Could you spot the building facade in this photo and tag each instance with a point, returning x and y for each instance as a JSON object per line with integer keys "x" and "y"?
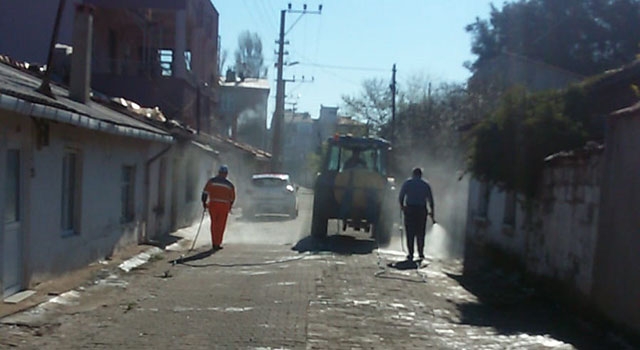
{"x": 300, "y": 142}
{"x": 242, "y": 110}
{"x": 157, "y": 53}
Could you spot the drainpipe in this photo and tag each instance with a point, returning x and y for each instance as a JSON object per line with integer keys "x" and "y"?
{"x": 147, "y": 191}
{"x": 80, "y": 82}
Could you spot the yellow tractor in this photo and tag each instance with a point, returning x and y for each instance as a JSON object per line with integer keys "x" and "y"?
{"x": 353, "y": 186}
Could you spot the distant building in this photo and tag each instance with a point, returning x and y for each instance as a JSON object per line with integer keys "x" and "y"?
{"x": 348, "y": 125}
{"x": 242, "y": 109}
{"x": 327, "y": 122}
{"x": 300, "y": 142}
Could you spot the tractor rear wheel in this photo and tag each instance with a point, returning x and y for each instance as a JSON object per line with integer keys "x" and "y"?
{"x": 319, "y": 219}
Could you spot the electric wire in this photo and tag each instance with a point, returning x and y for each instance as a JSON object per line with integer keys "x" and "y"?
{"x": 293, "y": 24}
{"x": 264, "y": 11}
{"x": 339, "y": 67}
{"x": 254, "y": 15}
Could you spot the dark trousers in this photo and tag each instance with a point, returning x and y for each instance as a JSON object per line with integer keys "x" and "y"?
{"x": 415, "y": 223}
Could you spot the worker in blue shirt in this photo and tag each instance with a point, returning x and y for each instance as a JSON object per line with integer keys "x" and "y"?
{"x": 414, "y": 195}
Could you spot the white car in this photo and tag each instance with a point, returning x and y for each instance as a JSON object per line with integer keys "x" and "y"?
{"x": 271, "y": 194}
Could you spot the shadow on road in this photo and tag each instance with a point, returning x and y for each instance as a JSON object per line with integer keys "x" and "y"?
{"x": 194, "y": 257}
{"x": 509, "y": 305}
{"x": 339, "y": 244}
{"x": 404, "y": 265}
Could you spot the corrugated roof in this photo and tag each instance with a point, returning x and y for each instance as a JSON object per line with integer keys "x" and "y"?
{"x": 256, "y": 152}
{"x": 18, "y": 94}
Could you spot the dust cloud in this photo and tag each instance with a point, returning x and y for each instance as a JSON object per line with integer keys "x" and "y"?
{"x": 271, "y": 229}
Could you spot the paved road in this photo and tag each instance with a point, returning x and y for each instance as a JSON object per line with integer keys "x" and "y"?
{"x": 271, "y": 287}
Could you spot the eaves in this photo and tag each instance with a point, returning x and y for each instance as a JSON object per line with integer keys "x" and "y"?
{"x": 17, "y": 105}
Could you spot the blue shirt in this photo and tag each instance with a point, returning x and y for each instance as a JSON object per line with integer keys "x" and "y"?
{"x": 416, "y": 192}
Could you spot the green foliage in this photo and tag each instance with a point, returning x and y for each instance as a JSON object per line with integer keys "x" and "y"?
{"x": 428, "y": 120}
{"x": 508, "y": 148}
{"x": 372, "y": 106}
{"x": 581, "y": 36}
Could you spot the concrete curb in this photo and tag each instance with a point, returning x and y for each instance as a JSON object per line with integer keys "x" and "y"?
{"x": 34, "y": 313}
{"x": 139, "y": 259}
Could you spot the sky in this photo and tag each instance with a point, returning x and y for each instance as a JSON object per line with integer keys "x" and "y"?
{"x": 354, "y": 40}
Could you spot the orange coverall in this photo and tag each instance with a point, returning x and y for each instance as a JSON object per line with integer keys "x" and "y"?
{"x": 218, "y": 196}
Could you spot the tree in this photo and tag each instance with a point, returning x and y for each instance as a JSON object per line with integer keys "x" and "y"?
{"x": 249, "y": 60}
{"x": 222, "y": 60}
{"x": 508, "y": 148}
{"x": 582, "y": 36}
{"x": 435, "y": 122}
{"x": 428, "y": 119}
{"x": 372, "y": 106}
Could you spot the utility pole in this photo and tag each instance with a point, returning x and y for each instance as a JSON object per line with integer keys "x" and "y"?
{"x": 393, "y": 104}
{"x": 278, "y": 115}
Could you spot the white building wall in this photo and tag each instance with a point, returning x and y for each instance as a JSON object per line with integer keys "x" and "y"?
{"x": 557, "y": 237}
{"x": 48, "y": 251}
{"x": 491, "y": 229}
{"x": 101, "y": 229}
{"x": 184, "y": 178}
{"x": 15, "y": 133}
{"x": 564, "y": 246}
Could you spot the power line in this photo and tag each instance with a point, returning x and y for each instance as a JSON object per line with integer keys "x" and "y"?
{"x": 331, "y": 66}
{"x": 255, "y": 17}
{"x": 264, "y": 11}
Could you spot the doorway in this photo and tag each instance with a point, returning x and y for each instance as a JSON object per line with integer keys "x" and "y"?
{"x": 12, "y": 233}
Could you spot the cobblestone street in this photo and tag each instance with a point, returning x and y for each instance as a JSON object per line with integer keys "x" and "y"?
{"x": 273, "y": 287}
{"x": 268, "y": 297}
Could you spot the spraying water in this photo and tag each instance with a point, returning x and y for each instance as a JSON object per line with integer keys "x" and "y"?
{"x": 437, "y": 242}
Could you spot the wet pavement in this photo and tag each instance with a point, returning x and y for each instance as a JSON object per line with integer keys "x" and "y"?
{"x": 272, "y": 297}
{"x": 287, "y": 291}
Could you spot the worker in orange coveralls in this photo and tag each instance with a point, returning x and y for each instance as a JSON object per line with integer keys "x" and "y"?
{"x": 218, "y": 196}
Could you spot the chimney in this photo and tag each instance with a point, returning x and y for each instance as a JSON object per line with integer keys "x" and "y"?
{"x": 231, "y": 76}
{"x": 80, "y": 82}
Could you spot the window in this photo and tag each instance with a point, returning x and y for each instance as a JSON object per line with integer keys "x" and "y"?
{"x": 127, "y": 193}
{"x": 166, "y": 59}
{"x": 70, "y": 206}
{"x": 162, "y": 180}
{"x": 270, "y": 182}
{"x": 187, "y": 60}
{"x": 12, "y": 187}
{"x": 334, "y": 158}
